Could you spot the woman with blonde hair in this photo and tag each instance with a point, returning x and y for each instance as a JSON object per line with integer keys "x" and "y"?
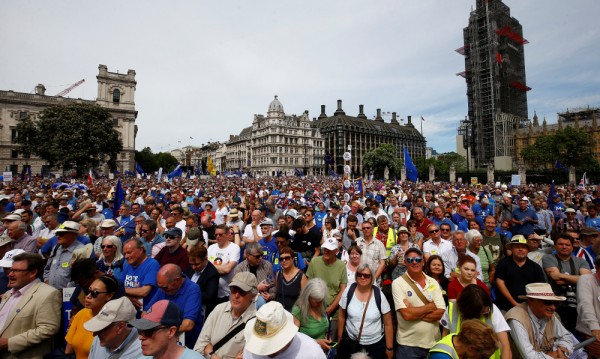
{"x": 475, "y": 340}
{"x": 111, "y": 259}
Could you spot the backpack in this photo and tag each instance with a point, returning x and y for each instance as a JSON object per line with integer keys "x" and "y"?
{"x": 376, "y": 292}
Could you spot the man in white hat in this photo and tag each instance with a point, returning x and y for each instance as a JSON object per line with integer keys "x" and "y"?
{"x": 112, "y": 336}
{"x": 272, "y": 334}
{"x": 107, "y": 228}
{"x": 57, "y": 272}
{"x": 6, "y": 262}
{"x": 535, "y": 328}
{"x": 570, "y": 223}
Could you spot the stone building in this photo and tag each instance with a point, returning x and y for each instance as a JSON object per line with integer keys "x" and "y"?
{"x": 237, "y": 154}
{"x": 116, "y": 92}
{"x": 583, "y": 119}
{"x": 340, "y": 131}
{"x": 282, "y": 144}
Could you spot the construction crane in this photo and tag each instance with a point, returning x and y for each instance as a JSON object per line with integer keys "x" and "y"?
{"x": 70, "y": 88}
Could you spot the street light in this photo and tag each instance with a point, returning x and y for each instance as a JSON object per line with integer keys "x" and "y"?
{"x": 465, "y": 130}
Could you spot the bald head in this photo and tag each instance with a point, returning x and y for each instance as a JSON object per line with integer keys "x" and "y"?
{"x": 170, "y": 271}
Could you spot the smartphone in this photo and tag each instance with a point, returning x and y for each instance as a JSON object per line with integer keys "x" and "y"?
{"x": 333, "y": 344}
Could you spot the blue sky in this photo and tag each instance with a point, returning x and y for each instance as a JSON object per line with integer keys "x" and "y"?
{"x": 204, "y": 68}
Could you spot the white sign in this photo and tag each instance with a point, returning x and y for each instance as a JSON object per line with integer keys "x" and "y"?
{"x": 515, "y": 180}
{"x": 347, "y": 169}
{"x": 347, "y": 183}
{"x": 347, "y": 156}
{"x": 346, "y": 197}
{"x": 7, "y": 176}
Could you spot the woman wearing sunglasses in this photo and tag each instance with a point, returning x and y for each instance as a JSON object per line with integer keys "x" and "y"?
{"x": 363, "y": 323}
{"x": 474, "y": 303}
{"x": 79, "y": 340}
{"x": 290, "y": 280}
{"x": 111, "y": 260}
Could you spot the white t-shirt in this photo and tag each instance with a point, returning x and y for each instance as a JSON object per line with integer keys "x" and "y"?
{"x": 220, "y": 215}
{"x": 231, "y": 253}
{"x": 373, "y": 325}
{"x": 499, "y": 324}
{"x": 250, "y": 235}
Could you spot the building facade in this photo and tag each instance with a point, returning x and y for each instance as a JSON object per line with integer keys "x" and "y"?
{"x": 358, "y": 135}
{"x": 284, "y": 144}
{"x": 582, "y": 119}
{"x": 116, "y": 92}
{"x": 496, "y": 83}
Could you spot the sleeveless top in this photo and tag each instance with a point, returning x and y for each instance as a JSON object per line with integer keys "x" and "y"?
{"x": 288, "y": 291}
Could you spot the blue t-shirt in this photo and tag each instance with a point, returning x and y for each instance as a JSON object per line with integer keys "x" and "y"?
{"x": 527, "y": 227}
{"x": 299, "y": 261}
{"x": 319, "y": 218}
{"x": 143, "y": 275}
{"x": 269, "y": 249}
{"x": 189, "y": 301}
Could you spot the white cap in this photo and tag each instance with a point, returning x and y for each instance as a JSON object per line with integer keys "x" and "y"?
{"x": 7, "y": 260}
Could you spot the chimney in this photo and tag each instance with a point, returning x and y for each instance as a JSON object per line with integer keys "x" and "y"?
{"x": 323, "y": 114}
{"x": 339, "y": 111}
{"x": 378, "y": 118}
{"x": 409, "y": 122}
{"x": 394, "y": 120}
{"x": 40, "y": 89}
{"x": 361, "y": 112}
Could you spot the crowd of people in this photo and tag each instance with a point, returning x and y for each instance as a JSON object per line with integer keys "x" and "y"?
{"x": 289, "y": 267}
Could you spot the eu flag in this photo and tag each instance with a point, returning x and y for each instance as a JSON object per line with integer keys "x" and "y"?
{"x": 359, "y": 185}
{"x": 411, "y": 170}
{"x": 177, "y": 172}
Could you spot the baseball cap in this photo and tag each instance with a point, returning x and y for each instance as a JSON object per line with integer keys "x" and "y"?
{"x": 162, "y": 312}
{"x": 117, "y": 310}
{"x": 246, "y": 281}
{"x": 175, "y": 231}
{"x": 330, "y": 243}
{"x": 267, "y": 222}
{"x": 108, "y": 223}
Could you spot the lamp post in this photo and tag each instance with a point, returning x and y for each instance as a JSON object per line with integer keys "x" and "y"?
{"x": 465, "y": 130}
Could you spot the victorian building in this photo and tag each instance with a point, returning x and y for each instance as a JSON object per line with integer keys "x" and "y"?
{"x": 358, "y": 135}
{"x": 116, "y": 93}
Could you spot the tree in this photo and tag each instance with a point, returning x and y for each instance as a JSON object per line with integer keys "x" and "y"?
{"x": 569, "y": 146}
{"x": 445, "y": 160}
{"x": 147, "y": 160}
{"x": 378, "y": 159}
{"x": 167, "y": 161}
{"x": 73, "y": 136}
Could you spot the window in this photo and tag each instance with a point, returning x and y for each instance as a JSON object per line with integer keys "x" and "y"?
{"x": 23, "y": 115}
{"x": 115, "y": 122}
{"x": 116, "y": 96}
{"x": 14, "y": 154}
{"x": 13, "y": 135}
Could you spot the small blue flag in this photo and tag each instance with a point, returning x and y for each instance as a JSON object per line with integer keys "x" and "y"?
{"x": 177, "y": 172}
{"x": 411, "y": 171}
{"x": 139, "y": 169}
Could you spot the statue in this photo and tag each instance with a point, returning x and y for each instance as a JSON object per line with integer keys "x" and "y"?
{"x": 431, "y": 173}
{"x": 572, "y": 177}
{"x": 452, "y": 173}
{"x": 523, "y": 173}
{"x": 386, "y": 173}
{"x": 403, "y": 174}
{"x": 490, "y": 173}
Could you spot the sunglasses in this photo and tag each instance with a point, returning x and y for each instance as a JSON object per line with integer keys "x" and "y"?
{"x": 445, "y": 229}
{"x": 109, "y": 246}
{"x": 148, "y": 333}
{"x": 412, "y": 260}
{"x": 257, "y": 256}
{"x": 236, "y": 290}
{"x": 434, "y": 231}
{"x": 145, "y": 231}
{"x": 92, "y": 293}
{"x": 170, "y": 236}
{"x": 285, "y": 259}
{"x": 363, "y": 275}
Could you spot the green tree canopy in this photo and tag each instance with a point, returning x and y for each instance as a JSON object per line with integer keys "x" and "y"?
{"x": 167, "y": 161}
{"x": 147, "y": 160}
{"x": 378, "y": 159}
{"x": 569, "y": 146}
{"x": 73, "y": 136}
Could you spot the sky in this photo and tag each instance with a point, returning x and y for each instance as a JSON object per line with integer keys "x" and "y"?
{"x": 204, "y": 68}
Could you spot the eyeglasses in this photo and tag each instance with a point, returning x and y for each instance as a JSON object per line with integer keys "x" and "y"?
{"x": 170, "y": 236}
{"x": 549, "y": 303}
{"x": 367, "y": 227}
{"x": 363, "y": 275}
{"x": 148, "y": 333}
{"x": 434, "y": 231}
{"x": 412, "y": 260}
{"x": 145, "y": 231}
{"x": 280, "y": 243}
{"x": 220, "y": 234}
{"x": 10, "y": 270}
{"x": 236, "y": 290}
{"x": 93, "y": 293}
{"x": 257, "y": 256}
{"x": 445, "y": 229}
{"x": 285, "y": 259}
{"x": 109, "y": 246}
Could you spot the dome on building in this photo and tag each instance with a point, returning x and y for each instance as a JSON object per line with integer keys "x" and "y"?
{"x": 275, "y": 106}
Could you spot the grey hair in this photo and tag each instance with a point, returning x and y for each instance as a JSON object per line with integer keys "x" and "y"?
{"x": 253, "y": 247}
{"x": 457, "y": 232}
{"x": 315, "y": 289}
{"x": 360, "y": 355}
{"x": 472, "y": 234}
{"x": 361, "y": 268}
{"x": 117, "y": 243}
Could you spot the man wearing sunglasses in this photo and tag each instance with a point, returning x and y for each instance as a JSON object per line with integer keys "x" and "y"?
{"x": 158, "y": 331}
{"x": 418, "y": 313}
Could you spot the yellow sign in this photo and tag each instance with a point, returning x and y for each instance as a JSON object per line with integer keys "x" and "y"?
{"x": 474, "y": 180}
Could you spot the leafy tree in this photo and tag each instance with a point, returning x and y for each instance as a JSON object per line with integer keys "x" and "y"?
{"x": 167, "y": 161}
{"x": 73, "y": 136}
{"x": 378, "y": 159}
{"x": 569, "y": 146}
{"x": 147, "y": 160}
{"x": 445, "y": 160}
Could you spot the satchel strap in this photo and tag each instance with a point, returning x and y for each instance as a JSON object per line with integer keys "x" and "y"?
{"x": 362, "y": 321}
{"x": 418, "y": 292}
{"x": 230, "y": 335}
